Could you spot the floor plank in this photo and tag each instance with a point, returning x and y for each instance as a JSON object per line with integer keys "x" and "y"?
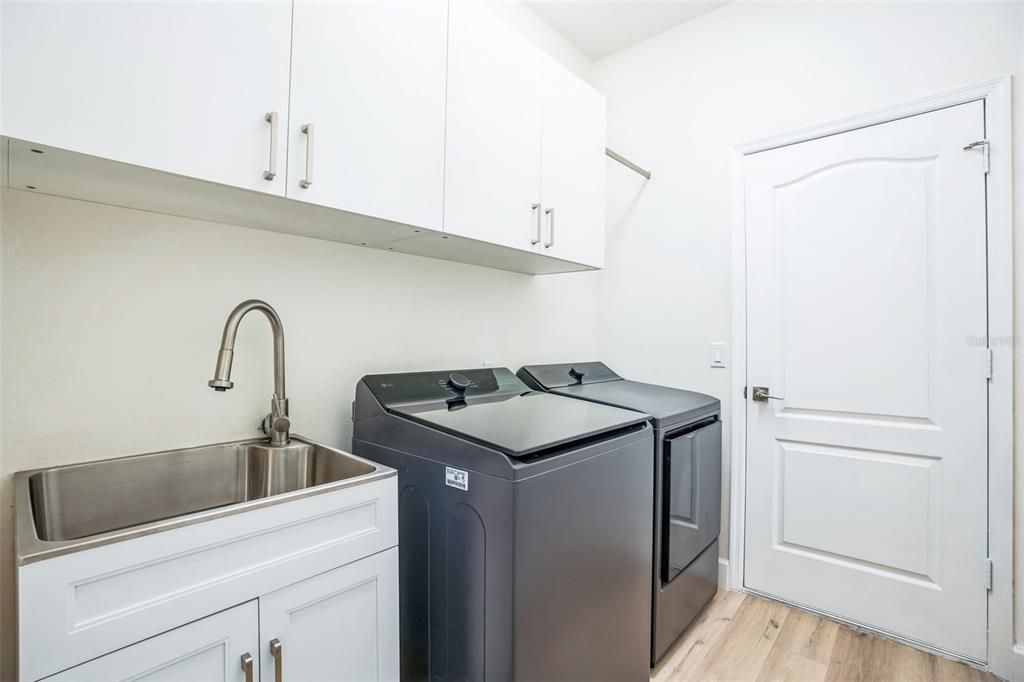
{"x": 682, "y": 661}
{"x": 746, "y": 643}
{"x": 740, "y": 637}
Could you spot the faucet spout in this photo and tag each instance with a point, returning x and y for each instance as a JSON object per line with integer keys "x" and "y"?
{"x": 277, "y": 424}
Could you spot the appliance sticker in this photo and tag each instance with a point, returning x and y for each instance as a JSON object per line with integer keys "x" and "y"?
{"x": 456, "y": 478}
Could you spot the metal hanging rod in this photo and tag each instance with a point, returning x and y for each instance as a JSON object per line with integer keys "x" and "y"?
{"x": 627, "y": 163}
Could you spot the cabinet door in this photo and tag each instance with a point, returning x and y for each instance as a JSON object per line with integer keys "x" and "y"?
{"x": 339, "y": 625}
{"x": 183, "y": 87}
{"x": 572, "y": 167}
{"x": 368, "y": 77}
{"x": 492, "y": 167}
{"x": 207, "y": 650}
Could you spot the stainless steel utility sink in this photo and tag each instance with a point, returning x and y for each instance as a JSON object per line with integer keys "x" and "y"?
{"x": 69, "y": 508}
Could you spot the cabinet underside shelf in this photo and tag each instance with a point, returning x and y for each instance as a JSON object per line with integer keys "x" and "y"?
{"x": 49, "y": 170}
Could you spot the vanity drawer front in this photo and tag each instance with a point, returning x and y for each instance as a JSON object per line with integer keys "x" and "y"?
{"x": 210, "y": 649}
{"x": 76, "y": 607}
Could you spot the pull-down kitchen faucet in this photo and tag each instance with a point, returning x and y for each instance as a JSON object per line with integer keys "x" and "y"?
{"x": 276, "y": 424}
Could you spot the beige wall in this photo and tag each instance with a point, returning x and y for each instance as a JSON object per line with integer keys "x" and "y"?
{"x": 681, "y": 101}
{"x": 112, "y": 320}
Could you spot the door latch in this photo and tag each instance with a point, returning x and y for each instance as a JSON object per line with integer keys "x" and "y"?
{"x": 762, "y": 394}
{"x": 985, "y": 150}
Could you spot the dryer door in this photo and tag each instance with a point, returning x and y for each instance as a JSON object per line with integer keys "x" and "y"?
{"x": 691, "y": 496}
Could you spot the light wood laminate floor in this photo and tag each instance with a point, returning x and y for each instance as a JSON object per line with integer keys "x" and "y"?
{"x": 743, "y": 637}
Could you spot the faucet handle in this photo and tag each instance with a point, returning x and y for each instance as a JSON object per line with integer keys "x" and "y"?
{"x": 272, "y": 423}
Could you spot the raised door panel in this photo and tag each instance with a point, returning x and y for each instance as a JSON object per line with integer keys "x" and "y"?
{"x": 340, "y": 625}
{"x": 369, "y": 79}
{"x": 572, "y": 167}
{"x": 210, "y": 649}
{"x": 492, "y": 163}
{"x": 183, "y": 87}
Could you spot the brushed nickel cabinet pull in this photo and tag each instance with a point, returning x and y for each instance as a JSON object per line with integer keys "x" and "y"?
{"x": 271, "y": 173}
{"x": 277, "y": 651}
{"x": 305, "y": 182}
{"x": 247, "y": 667}
{"x": 536, "y": 209}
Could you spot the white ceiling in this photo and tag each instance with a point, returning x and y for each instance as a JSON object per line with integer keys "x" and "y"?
{"x": 600, "y": 28}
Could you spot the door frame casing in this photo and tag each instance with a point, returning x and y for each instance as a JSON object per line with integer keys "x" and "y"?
{"x": 996, "y": 95}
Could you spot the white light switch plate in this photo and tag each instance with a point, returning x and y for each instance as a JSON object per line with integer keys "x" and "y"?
{"x": 719, "y": 354}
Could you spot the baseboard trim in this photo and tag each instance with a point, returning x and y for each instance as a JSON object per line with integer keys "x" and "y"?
{"x": 1018, "y": 662}
{"x": 723, "y": 580}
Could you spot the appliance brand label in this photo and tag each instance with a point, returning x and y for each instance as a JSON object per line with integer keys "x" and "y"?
{"x": 456, "y": 478}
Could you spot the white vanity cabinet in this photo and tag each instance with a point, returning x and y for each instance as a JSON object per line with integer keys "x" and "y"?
{"x": 318, "y": 573}
{"x": 212, "y": 649}
{"x": 339, "y": 625}
{"x": 183, "y": 87}
{"x": 366, "y": 121}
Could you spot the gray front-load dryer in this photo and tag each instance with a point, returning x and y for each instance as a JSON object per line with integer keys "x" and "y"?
{"x": 524, "y": 526}
{"x": 687, "y": 456}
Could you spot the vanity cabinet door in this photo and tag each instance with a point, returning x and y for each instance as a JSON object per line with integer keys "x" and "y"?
{"x": 339, "y": 625}
{"x": 211, "y": 649}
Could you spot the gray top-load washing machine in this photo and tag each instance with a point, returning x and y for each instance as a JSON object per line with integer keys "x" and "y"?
{"x": 524, "y": 526}
{"x": 687, "y": 456}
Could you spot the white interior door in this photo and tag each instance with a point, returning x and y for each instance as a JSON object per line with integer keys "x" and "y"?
{"x": 866, "y": 479}
{"x": 492, "y": 159}
{"x": 369, "y": 76}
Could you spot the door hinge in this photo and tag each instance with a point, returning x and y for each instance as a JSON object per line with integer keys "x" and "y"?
{"x": 986, "y": 156}
{"x": 744, "y": 392}
{"x": 988, "y": 574}
{"x": 988, "y": 363}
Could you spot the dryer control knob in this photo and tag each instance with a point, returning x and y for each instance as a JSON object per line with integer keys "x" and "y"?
{"x": 459, "y": 382}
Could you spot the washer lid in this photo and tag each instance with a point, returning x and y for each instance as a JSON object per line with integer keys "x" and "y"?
{"x": 667, "y": 406}
{"x": 497, "y": 410}
{"x": 521, "y": 426}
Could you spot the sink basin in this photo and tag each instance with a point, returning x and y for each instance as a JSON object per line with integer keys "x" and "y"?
{"x": 78, "y": 506}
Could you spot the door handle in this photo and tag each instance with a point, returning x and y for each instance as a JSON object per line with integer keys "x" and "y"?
{"x": 305, "y": 182}
{"x": 277, "y": 651}
{"x": 551, "y": 228}
{"x": 247, "y": 667}
{"x": 271, "y": 172}
{"x": 536, "y": 209}
{"x": 761, "y": 394}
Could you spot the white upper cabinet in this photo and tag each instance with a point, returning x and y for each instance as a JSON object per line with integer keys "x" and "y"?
{"x": 492, "y": 167}
{"x": 183, "y": 87}
{"x": 366, "y": 128}
{"x": 408, "y": 115}
{"x": 572, "y": 167}
{"x": 525, "y": 144}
